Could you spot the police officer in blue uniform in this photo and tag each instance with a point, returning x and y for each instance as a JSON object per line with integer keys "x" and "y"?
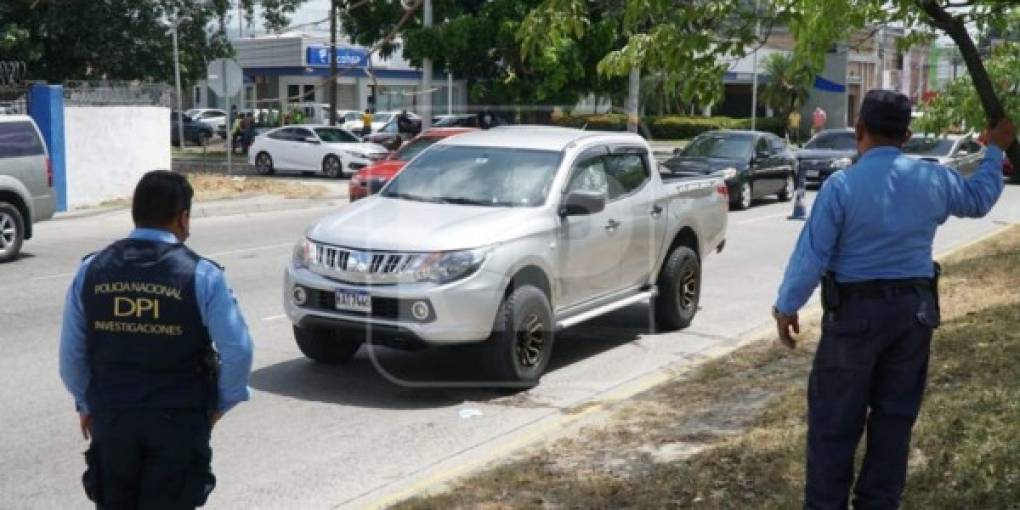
{"x": 869, "y": 240}
{"x": 154, "y": 350}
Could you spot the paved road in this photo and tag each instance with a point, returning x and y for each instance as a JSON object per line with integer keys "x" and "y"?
{"x": 316, "y": 437}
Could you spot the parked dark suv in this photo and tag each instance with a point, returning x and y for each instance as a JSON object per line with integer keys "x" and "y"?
{"x": 26, "y": 183}
{"x": 195, "y": 132}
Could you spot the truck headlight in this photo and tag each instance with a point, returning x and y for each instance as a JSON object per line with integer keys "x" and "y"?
{"x": 445, "y": 267}
{"x": 304, "y": 251}
{"x": 841, "y": 163}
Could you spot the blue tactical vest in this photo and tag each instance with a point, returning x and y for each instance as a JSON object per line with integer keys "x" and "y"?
{"x": 147, "y": 346}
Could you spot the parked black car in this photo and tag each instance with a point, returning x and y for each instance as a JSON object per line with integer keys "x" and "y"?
{"x": 825, "y": 153}
{"x": 194, "y": 132}
{"x": 755, "y": 164}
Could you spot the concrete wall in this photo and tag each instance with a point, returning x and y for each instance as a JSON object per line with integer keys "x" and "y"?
{"x": 110, "y": 147}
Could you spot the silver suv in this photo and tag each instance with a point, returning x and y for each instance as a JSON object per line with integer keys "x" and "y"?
{"x": 504, "y": 237}
{"x": 26, "y": 183}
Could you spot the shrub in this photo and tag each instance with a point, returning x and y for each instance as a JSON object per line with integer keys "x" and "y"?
{"x": 667, "y": 127}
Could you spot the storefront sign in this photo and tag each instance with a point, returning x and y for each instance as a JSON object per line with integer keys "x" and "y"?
{"x": 345, "y": 57}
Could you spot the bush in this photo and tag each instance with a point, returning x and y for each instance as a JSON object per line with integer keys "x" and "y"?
{"x": 667, "y": 127}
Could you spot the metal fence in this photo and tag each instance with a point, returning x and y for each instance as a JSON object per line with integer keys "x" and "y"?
{"x": 13, "y": 88}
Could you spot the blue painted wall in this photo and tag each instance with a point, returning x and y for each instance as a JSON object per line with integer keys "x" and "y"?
{"x": 46, "y": 107}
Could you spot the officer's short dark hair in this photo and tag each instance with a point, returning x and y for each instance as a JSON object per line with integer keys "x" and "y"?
{"x": 886, "y": 113}
{"x": 160, "y": 197}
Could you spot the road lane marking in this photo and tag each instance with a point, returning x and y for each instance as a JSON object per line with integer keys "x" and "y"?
{"x": 761, "y": 218}
{"x": 245, "y": 250}
{"x": 274, "y": 317}
{"x": 52, "y": 276}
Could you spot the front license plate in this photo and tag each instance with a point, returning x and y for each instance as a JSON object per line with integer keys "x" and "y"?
{"x": 812, "y": 173}
{"x": 353, "y": 300}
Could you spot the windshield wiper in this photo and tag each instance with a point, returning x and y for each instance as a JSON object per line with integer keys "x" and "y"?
{"x": 414, "y": 198}
{"x": 471, "y": 201}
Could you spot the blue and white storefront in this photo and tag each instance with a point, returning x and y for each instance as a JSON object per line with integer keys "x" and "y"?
{"x": 289, "y": 69}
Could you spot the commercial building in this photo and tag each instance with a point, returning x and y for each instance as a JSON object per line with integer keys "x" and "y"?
{"x": 284, "y": 70}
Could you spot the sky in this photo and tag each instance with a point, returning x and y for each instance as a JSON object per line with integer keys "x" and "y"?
{"x": 310, "y": 11}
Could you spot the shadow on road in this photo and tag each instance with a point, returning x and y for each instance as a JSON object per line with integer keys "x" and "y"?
{"x": 437, "y": 377}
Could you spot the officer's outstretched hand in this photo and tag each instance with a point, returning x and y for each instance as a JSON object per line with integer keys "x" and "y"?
{"x": 85, "y": 422}
{"x": 784, "y": 323}
{"x": 1002, "y": 134}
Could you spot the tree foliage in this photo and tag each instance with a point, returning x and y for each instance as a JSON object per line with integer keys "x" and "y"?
{"x": 111, "y": 39}
{"x": 789, "y": 83}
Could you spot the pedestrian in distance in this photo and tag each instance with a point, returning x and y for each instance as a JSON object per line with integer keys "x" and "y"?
{"x": 405, "y": 126}
{"x": 366, "y": 122}
{"x": 249, "y": 130}
{"x": 869, "y": 241}
{"x": 818, "y": 120}
{"x": 793, "y": 127}
{"x": 154, "y": 350}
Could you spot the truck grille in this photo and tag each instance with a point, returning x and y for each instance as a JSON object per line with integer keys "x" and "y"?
{"x": 365, "y": 266}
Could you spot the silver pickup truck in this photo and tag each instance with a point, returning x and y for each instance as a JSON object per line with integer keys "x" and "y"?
{"x": 504, "y": 237}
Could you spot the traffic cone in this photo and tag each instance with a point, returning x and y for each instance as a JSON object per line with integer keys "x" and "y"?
{"x": 799, "y": 211}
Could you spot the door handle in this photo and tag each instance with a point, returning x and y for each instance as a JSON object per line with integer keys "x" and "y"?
{"x": 656, "y": 211}
{"x": 612, "y": 225}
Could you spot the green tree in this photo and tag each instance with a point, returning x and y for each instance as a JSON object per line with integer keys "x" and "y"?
{"x": 816, "y": 29}
{"x": 788, "y": 85}
{"x": 110, "y": 40}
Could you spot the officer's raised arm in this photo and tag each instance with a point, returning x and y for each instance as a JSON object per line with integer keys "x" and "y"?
{"x": 974, "y": 196}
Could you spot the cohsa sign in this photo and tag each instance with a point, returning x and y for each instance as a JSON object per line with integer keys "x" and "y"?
{"x": 345, "y": 57}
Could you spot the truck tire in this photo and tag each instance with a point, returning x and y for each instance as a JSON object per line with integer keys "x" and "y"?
{"x": 326, "y": 346}
{"x": 12, "y": 232}
{"x": 521, "y": 344}
{"x": 679, "y": 287}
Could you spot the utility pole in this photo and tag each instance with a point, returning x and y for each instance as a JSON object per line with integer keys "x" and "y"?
{"x": 754, "y": 68}
{"x": 881, "y": 58}
{"x": 449, "y": 91}
{"x": 240, "y": 19}
{"x": 426, "y": 73}
{"x": 177, "y": 82}
{"x": 332, "y": 62}
{"x": 633, "y": 99}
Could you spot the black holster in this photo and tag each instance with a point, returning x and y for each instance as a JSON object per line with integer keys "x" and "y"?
{"x": 91, "y": 479}
{"x": 210, "y": 369}
{"x": 830, "y": 295}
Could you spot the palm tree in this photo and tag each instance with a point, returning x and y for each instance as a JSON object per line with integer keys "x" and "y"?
{"x": 788, "y": 83}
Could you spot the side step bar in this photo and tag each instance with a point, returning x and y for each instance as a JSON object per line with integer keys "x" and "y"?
{"x": 604, "y": 309}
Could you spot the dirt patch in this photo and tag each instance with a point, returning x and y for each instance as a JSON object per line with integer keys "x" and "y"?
{"x": 217, "y": 187}
{"x": 731, "y": 434}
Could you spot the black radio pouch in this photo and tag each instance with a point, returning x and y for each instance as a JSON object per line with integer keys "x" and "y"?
{"x": 91, "y": 480}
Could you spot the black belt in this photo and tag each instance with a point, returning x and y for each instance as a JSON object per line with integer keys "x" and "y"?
{"x": 874, "y": 289}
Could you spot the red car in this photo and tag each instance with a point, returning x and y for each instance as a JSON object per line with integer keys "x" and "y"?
{"x": 371, "y": 179}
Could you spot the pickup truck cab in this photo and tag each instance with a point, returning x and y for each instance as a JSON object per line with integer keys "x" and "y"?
{"x": 505, "y": 237}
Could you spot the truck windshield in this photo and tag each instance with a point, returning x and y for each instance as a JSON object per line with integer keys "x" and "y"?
{"x": 413, "y": 148}
{"x": 719, "y": 145}
{"x": 484, "y": 176}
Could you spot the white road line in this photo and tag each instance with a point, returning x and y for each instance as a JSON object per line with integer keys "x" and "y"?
{"x": 274, "y": 317}
{"x": 761, "y": 218}
{"x": 245, "y": 250}
{"x": 52, "y": 276}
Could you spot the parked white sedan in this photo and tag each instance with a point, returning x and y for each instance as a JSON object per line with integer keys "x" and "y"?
{"x": 312, "y": 148}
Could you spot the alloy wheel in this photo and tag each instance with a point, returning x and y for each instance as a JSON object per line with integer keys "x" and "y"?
{"x": 263, "y": 164}
{"x": 8, "y": 232}
{"x": 531, "y": 341}
{"x": 745, "y": 195}
{"x": 688, "y": 290}
{"x": 333, "y": 167}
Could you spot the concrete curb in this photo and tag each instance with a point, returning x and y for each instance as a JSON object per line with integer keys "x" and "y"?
{"x": 229, "y": 207}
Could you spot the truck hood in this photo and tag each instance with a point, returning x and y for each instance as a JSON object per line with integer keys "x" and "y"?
{"x": 385, "y": 169}
{"x": 702, "y": 165}
{"x": 389, "y": 224}
{"x": 824, "y": 154}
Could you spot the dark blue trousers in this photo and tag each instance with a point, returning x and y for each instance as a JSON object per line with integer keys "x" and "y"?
{"x": 868, "y": 375}
{"x": 151, "y": 459}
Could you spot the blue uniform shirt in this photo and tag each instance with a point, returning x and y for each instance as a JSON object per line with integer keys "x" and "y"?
{"x": 877, "y": 220}
{"x": 220, "y": 315}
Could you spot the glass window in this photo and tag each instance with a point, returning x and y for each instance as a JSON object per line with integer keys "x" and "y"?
{"x": 720, "y": 145}
{"x": 928, "y": 146}
{"x": 293, "y": 91}
{"x": 282, "y": 134}
{"x": 626, "y": 173}
{"x": 213, "y": 114}
{"x": 777, "y": 144}
{"x": 302, "y": 133}
{"x": 413, "y": 148}
{"x": 590, "y": 175}
{"x": 762, "y": 147}
{"x": 18, "y": 139}
{"x": 481, "y": 176}
{"x": 843, "y": 141}
{"x": 333, "y": 135}
{"x": 309, "y": 94}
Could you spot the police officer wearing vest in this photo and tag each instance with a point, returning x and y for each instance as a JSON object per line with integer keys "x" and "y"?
{"x": 154, "y": 350}
{"x": 869, "y": 241}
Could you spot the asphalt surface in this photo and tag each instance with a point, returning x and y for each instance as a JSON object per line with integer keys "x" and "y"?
{"x": 326, "y": 437}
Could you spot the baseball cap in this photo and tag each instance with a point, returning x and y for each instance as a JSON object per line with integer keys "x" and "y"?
{"x": 886, "y": 113}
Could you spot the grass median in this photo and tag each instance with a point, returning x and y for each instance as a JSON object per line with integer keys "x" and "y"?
{"x": 731, "y": 433}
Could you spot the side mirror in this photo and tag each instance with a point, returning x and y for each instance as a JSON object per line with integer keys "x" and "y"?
{"x": 583, "y": 203}
{"x": 311, "y": 139}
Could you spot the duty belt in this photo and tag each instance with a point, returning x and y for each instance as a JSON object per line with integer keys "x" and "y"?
{"x": 875, "y": 289}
